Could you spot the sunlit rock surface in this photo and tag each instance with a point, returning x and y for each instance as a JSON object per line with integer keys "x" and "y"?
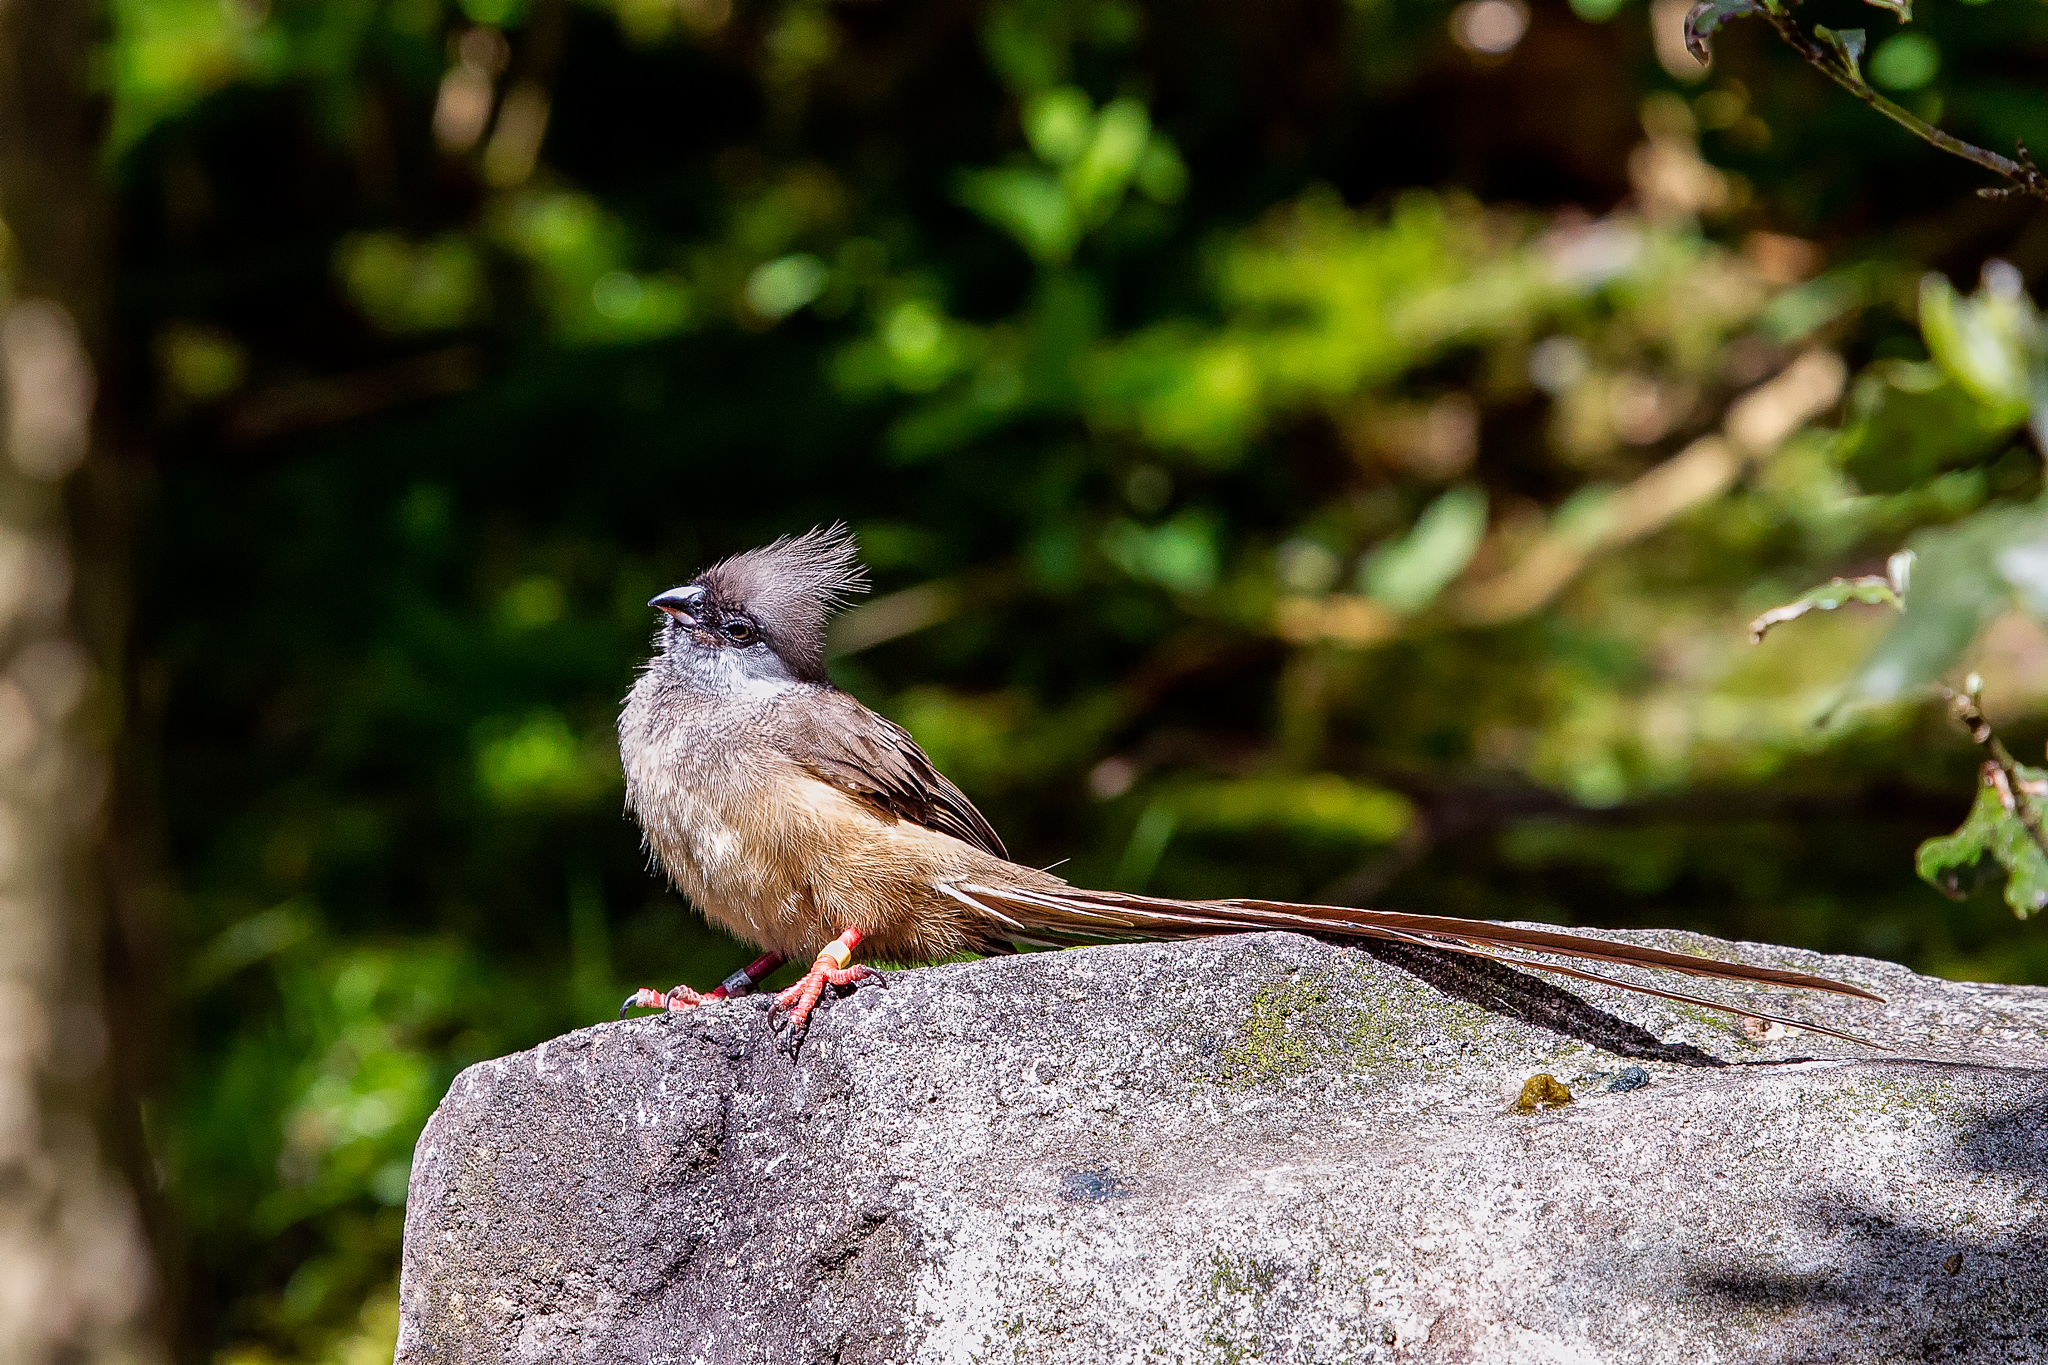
{"x": 1252, "y": 1149}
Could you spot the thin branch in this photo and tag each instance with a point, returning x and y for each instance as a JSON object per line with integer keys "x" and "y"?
{"x": 2027, "y": 178}
{"x": 2016, "y": 792}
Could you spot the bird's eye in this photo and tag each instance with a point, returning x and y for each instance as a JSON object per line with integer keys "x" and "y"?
{"x": 739, "y": 632}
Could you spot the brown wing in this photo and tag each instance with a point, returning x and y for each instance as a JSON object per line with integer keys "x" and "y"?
{"x": 851, "y": 747}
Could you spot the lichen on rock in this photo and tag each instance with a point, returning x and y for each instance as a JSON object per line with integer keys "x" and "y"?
{"x": 1261, "y": 1148}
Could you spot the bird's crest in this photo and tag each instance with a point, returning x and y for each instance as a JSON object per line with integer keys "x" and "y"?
{"x": 791, "y": 588}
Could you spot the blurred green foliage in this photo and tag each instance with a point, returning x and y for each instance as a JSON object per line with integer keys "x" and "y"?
{"x": 1307, "y": 450}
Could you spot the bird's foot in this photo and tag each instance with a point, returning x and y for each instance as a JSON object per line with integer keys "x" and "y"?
{"x": 675, "y": 1001}
{"x": 803, "y": 997}
{"x": 834, "y": 967}
{"x": 683, "y": 998}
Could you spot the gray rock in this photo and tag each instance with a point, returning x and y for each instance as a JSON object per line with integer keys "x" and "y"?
{"x": 1252, "y": 1149}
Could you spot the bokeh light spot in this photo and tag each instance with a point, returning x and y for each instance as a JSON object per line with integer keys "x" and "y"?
{"x": 1490, "y": 27}
{"x": 1905, "y": 61}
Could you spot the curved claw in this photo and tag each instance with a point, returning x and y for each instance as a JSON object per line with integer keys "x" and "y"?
{"x": 675, "y": 1001}
{"x": 803, "y": 997}
{"x": 834, "y": 967}
{"x": 789, "y": 1040}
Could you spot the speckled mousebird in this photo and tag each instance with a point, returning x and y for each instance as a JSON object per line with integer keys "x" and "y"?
{"x": 797, "y": 819}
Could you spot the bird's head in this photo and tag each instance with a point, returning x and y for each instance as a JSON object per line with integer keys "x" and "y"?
{"x": 759, "y": 618}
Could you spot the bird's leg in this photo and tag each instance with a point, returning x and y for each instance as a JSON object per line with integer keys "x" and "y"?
{"x": 683, "y": 998}
{"x": 831, "y": 969}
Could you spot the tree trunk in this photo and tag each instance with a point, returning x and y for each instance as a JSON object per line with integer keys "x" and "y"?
{"x": 76, "y": 1281}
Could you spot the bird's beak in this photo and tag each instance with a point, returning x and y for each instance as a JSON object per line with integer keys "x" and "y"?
{"x": 680, "y": 603}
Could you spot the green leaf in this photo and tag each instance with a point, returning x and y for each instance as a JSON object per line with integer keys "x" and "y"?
{"x": 1993, "y": 838}
{"x": 1848, "y": 44}
{"x": 1098, "y": 177}
{"x": 1180, "y": 555}
{"x": 1910, "y": 421}
{"x": 1990, "y": 341}
{"x": 1060, "y": 124}
{"x": 1032, "y": 206}
{"x": 2022, "y": 565}
{"x": 1964, "y": 574}
{"x": 1836, "y": 592}
{"x": 1902, "y": 8}
{"x": 404, "y": 286}
{"x": 1161, "y": 175}
{"x": 1706, "y": 17}
{"x": 780, "y": 287}
{"x": 1407, "y": 574}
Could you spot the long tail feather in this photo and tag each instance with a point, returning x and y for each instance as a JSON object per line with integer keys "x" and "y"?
{"x": 1640, "y": 989}
{"x": 1070, "y": 915}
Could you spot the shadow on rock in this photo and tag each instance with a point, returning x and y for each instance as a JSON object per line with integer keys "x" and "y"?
{"x": 1495, "y": 986}
{"x": 2014, "y": 1142}
{"x": 1951, "y": 1296}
